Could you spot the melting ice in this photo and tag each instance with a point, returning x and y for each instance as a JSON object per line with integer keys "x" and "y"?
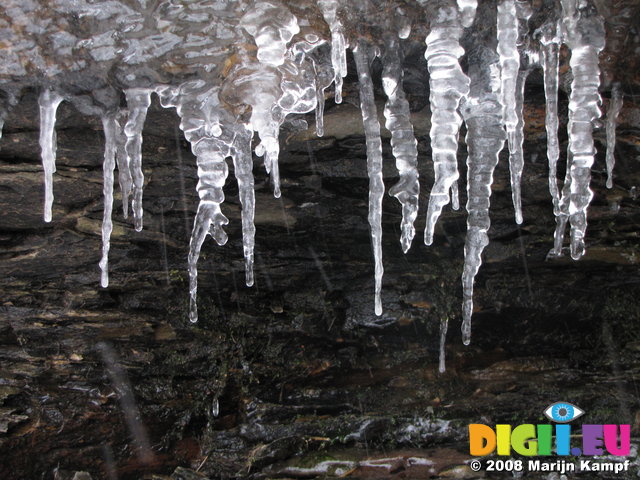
{"x": 245, "y": 65}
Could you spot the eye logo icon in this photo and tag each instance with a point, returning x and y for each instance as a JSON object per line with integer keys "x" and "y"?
{"x": 563, "y": 412}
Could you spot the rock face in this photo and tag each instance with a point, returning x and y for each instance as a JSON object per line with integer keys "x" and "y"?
{"x": 297, "y": 377}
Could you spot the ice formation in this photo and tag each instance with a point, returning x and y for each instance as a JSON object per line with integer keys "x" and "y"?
{"x": 236, "y": 69}
{"x": 550, "y": 40}
{"x": 374, "y": 163}
{"x": 48, "y": 101}
{"x": 447, "y": 86}
{"x": 403, "y": 141}
{"x": 110, "y": 127}
{"x": 483, "y": 116}
{"x": 615, "y": 105}
{"x": 138, "y": 101}
{"x": 584, "y": 34}
{"x": 338, "y": 43}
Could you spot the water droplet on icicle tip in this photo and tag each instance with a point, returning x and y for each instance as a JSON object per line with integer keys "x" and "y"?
{"x": 48, "y": 101}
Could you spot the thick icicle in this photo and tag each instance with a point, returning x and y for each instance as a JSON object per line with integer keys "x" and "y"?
{"x": 212, "y": 174}
{"x": 258, "y": 85}
{"x": 374, "y": 163}
{"x": 509, "y": 65}
{"x": 550, "y": 41}
{"x": 448, "y": 85}
{"x": 138, "y": 101}
{"x": 615, "y": 105}
{"x": 403, "y": 141}
{"x": 584, "y": 34}
{"x": 205, "y": 129}
{"x": 110, "y": 127}
{"x": 48, "y": 102}
{"x": 329, "y": 10}
{"x": 485, "y": 139}
{"x": 243, "y": 167}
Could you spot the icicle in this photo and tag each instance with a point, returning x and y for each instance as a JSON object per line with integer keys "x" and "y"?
{"x": 272, "y": 26}
{"x": 212, "y": 174}
{"x": 320, "y": 112}
{"x": 329, "y": 10}
{"x": 444, "y": 326}
{"x": 258, "y": 85}
{"x": 585, "y": 36}
{"x": 510, "y": 64}
{"x": 403, "y": 141}
{"x": 138, "y": 101}
{"x": 448, "y": 84}
{"x": 48, "y": 101}
{"x": 110, "y": 127}
{"x": 374, "y": 163}
{"x": 243, "y": 166}
{"x": 615, "y": 105}
{"x": 515, "y": 139}
{"x": 550, "y": 41}
{"x": 485, "y": 139}
{"x": 467, "y": 11}
{"x": 323, "y": 77}
{"x": 124, "y": 169}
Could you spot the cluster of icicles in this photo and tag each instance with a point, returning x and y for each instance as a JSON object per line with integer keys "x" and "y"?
{"x": 285, "y": 78}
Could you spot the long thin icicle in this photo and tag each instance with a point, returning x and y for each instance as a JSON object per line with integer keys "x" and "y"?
{"x": 509, "y": 65}
{"x": 515, "y": 139}
{"x": 485, "y": 139}
{"x": 138, "y": 101}
{"x": 48, "y": 102}
{"x": 243, "y": 167}
{"x": 448, "y": 85}
{"x": 585, "y": 36}
{"x": 329, "y": 10}
{"x": 110, "y": 127}
{"x": 374, "y": 163}
{"x": 615, "y": 105}
{"x": 550, "y": 40}
{"x": 403, "y": 141}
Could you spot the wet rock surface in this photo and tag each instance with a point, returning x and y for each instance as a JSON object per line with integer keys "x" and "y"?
{"x": 296, "y": 377}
